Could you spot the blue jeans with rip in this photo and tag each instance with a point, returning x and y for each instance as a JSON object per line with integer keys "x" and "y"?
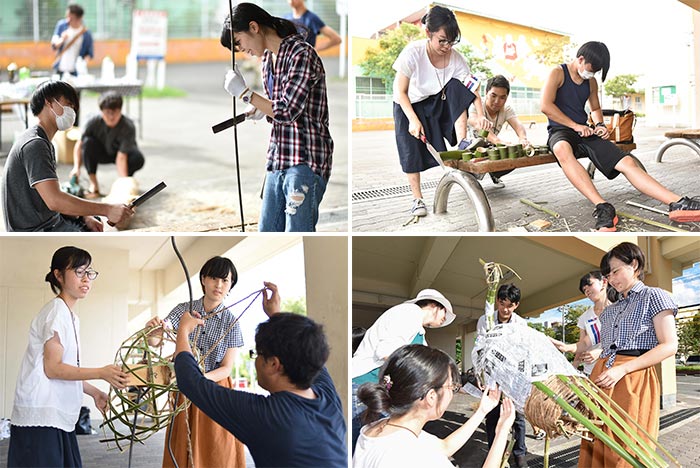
{"x": 290, "y": 200}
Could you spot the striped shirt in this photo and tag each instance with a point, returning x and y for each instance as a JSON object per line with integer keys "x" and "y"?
{"x": 296, "y": 85}
{"x": 213, "y": 329}
{"x": 628, "y": 324}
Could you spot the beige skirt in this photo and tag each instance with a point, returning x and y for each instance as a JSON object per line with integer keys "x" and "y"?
{"x": 212, "y": 445}
{"x": 637, "y": 393}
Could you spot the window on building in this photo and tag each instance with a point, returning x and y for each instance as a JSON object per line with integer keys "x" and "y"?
{"x": 370, "y": 85}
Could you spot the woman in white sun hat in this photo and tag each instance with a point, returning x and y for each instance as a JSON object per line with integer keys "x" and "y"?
{"x": 401, "y": 325}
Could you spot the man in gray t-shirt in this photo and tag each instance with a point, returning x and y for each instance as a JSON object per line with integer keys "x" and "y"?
{"x": 108, "y": 138}
{"x": 31, "y": 197}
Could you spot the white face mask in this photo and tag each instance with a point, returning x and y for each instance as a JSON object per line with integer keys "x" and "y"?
{"x": 66, "y": 120}
{"x": 585, "y": 74}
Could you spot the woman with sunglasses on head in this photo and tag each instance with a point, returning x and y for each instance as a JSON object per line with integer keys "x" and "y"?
{"x": 433, "y": 88}
{"x": 596, "y": 288}
{"x": 212, "y": 445}
{"x": 637, "y": 332}
{"x": 416, "y": 386}
{"x": 51, "y": 381}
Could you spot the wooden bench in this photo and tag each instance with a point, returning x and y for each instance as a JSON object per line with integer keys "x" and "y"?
{"x": 466, "y": 174}
{"x": 687, "y": 137}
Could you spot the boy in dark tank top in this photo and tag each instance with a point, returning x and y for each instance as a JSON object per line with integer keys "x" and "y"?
{"x": 564, "y": 96}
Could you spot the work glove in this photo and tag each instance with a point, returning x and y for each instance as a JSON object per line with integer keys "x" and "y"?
{"x": 253, "y": 113}
{"x": 235, "y": 85}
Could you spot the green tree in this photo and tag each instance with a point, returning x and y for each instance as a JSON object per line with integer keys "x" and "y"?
{"x": 478, "y": 63}
{"x": 540, "y": 328}
{"x": 621, "y": 85}
{"x": 296, "y": 305}
{"x": 689, "y": 336}
{"x": 378, "y": 62}
{"x": 552, "y": 50}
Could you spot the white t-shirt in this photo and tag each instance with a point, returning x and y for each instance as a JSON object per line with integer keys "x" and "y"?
{"x": 515, "y": 319}
{"x": 40, "y": 401}
{"x": 70, "y": 56}
{"x": 589, "y": 323}
{"x": 425, "y": 79}
{"x": 400, "y": 448}
{"x": 396, "y": 327}
{"x": 497, "y": 120}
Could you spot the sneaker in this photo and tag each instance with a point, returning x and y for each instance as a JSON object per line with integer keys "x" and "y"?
{"x": 419, "y": 208}
{"x": 605, "y": 217}
{"x": 685, "y": 210}
{"x": 540, "y": 435}
{"x": 463, "y": 144}
{"x": 496, "y": 180}
{"x": 520, "y": 461}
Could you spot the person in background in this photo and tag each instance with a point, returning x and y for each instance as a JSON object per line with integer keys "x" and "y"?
{"x": 415, "y": 386}
{"x": 31, "y": 197}
{"x": 108, "y": 138}
{"x": 498, "y": 112}
{"x": 507, "y": 301}
{"x": 587, "y": 350}
{"x": 51, "y": 381}
{"x": 637, "y": 333}
{"x": 313, "y": 24}
{"x": 71, "y": 40}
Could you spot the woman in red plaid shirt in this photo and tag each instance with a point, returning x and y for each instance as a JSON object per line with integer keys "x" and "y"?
{"x": 299, "y": 156}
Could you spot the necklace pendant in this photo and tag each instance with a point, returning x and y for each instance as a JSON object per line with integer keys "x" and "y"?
{"x": 443, "y": 97}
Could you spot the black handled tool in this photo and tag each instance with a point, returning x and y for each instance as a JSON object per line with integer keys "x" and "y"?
{"x": 143, "y": 197}
{"x": 228, "y": 123}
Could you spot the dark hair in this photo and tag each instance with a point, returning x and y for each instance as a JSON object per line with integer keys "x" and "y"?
{"x": 52, "y": 91}
{"x": 412, "y": 371}
{"x": 298, "y": 342}
{"x": 426, "y": 302}
{"x": 63, "y": 259}
{"x": 218, "y": 267}
{"x": 597, "y": 54}
{"x": 75, "y": 9}
{"x": 509, "y": 291}
{"x": 110, "y": 100}
{"x": 626, "y": 252}
{"x": 358, "y": 333}
{"x": 499, "y": 81}
{"x": 244, "y": 13}
{"x": 441, "y": 17}
{"x": 613, "y": 295}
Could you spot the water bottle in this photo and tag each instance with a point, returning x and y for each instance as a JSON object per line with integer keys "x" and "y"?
{"x": 107, "y": 69}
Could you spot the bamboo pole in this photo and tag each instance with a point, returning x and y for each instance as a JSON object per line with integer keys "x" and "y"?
{"x": 539, "y": 207}
{"x": 650, "y": 222}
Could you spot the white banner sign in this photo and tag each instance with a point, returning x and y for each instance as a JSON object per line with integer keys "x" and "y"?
{"x": 149, "y": 34}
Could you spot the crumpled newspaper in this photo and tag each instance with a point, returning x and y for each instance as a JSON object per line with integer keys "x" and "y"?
{"x": 513, "y": 356}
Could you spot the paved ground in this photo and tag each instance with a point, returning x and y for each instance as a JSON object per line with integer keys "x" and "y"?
{"x": 679, "y": 427}
{"x": 375, "y": 167}
{"x": 199, "y": 167}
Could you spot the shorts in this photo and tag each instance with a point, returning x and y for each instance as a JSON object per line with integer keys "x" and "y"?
{"x": 603, "y": 153}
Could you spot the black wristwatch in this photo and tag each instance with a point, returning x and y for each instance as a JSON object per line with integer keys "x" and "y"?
{"x": 601, "y": 124}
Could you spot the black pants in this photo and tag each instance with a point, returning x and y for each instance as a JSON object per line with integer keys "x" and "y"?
{"x": 42, "y": 446}
{"x": 94, "y": 153}
{"x": 518, "y": 430}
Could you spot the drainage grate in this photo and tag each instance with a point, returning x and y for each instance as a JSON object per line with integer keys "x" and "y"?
{"x": 569, "y": 457}
{"x": 390, "y": 192}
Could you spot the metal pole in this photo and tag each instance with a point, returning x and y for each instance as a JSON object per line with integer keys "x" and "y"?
{"x": 35, "y": 22}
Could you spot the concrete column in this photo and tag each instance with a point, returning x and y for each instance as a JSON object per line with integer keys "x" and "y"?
{"x": 326, "y": 267}
{"x": 658, "y": 273}
{"x": 695, "y": 88}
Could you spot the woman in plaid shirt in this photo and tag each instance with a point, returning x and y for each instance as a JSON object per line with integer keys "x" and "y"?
{"x": 299, "y": 155}
{"x": 637, "y": 332}
{"x": 212, "y": 445}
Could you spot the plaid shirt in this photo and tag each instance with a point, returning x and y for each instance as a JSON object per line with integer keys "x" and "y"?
{"x": 213, "y": 328}
{"x": 297, "y": 88}
{"x": 628, "y": 324}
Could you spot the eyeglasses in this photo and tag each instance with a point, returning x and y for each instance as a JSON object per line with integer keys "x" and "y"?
{"x": 253, "y": 354}
{"x": 446, "y": 42}
{"x": 81, "y": 272}
{"x": 453, "y": 386}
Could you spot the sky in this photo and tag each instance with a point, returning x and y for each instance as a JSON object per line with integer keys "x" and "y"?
{"x": 639, "y": 35}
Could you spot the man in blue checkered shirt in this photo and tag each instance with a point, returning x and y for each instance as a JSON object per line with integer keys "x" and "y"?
{"x": 217, "y": 277}
{"x": 299, "y": 156}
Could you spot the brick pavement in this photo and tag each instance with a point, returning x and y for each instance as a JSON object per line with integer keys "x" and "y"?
{"x": 375, "y": 166}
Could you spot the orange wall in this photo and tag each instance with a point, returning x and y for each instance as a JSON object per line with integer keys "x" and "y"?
{"x": 40, "y": 56}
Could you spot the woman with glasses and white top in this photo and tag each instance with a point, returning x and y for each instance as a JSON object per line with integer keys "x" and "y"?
{"x": 51, "y": 382}
{"x": 416, "y": 386}
{"x": 433, "y": 89}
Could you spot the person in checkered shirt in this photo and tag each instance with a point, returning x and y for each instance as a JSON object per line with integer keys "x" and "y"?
{"x": 212, "y": 445}
{"x": 637, "y": 332}
{"x": 300, "y": 153}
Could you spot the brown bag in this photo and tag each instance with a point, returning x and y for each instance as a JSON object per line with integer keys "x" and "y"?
{"x": 620, "y": 125}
